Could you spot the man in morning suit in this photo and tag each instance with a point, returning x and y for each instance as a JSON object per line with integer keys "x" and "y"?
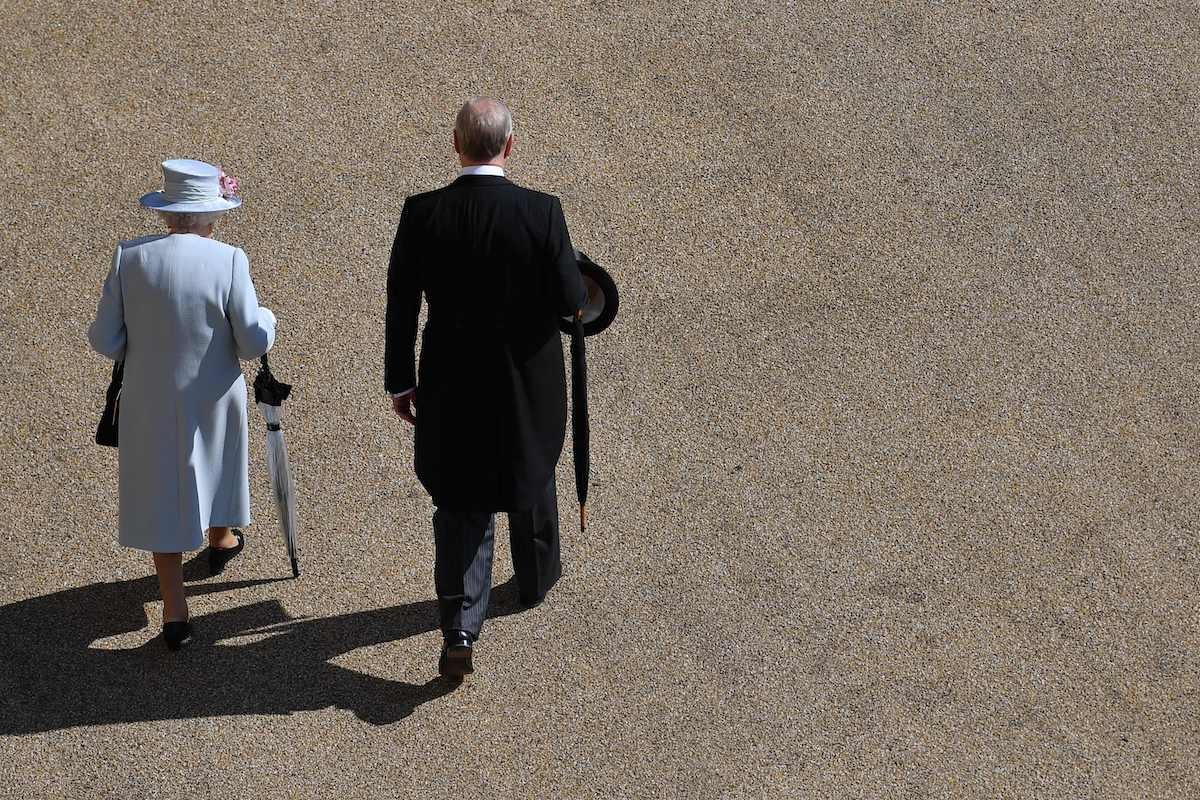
{"x": 497, "y": 269}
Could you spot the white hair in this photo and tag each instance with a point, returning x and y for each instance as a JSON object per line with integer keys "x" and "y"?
{"x": 483, "y": 125}
{"x": 190, "y": 222}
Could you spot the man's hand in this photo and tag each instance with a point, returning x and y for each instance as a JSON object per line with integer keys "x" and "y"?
{"x": 405, "y": 406}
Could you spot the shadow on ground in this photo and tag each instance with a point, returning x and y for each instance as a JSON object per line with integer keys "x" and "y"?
{"x": 253, "y": 659}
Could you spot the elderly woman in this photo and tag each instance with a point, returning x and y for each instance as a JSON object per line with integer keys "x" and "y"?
{"x": 180, "y": 310}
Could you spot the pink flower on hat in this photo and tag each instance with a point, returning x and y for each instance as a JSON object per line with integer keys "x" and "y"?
{"x": 229, "y": 184}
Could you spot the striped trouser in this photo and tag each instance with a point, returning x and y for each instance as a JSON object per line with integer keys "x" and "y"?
{"x": 463, "y": 544}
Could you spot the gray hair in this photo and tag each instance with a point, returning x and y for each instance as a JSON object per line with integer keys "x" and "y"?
{"x": 483, "y": 125}
{"x": 190, "y": 222}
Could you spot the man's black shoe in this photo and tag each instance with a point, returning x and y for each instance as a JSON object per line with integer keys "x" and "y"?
{"x": 455, "y": 662}
{"x": 531, "y": 602}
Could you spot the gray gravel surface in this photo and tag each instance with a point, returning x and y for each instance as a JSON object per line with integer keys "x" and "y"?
{"x": 894, "y": 441}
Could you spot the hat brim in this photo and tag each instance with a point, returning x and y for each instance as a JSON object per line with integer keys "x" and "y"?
{"x": 159, "y": 202}
{"x": 603, "y": 298}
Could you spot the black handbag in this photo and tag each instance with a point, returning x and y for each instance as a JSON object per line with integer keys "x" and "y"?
{"x": 106, "y": 431}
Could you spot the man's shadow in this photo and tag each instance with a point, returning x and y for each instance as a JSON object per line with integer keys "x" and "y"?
{"x": 53, "y": 676}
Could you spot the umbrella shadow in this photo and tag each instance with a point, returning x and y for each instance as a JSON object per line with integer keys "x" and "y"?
{"x": 252, "y": 659}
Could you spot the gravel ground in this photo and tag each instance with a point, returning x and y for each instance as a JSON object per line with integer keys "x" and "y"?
{"x": 894, "y": 442}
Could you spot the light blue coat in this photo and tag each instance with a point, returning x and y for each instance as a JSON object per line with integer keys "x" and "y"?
{"x": 180, "y": 309}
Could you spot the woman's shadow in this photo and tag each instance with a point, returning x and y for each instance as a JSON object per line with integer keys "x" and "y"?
{"x": 54, "y": 676}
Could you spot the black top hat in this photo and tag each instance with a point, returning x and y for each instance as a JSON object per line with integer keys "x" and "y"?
{"x": 600, "y": 309}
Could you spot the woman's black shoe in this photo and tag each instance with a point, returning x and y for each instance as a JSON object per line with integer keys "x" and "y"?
{"x": 218, "y": 557}
{"x": 177, "y": 634}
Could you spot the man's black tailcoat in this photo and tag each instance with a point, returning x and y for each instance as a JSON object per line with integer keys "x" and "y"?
{"x": 496, "y": 265}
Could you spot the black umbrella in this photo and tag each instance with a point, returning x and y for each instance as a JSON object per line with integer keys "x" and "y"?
{"x": 579, "y": 418}
{"x": 270, "y": 394}
{"x": 598, "y": 312}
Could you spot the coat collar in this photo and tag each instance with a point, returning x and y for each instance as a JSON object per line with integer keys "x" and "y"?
{"x": 480, "y": 180}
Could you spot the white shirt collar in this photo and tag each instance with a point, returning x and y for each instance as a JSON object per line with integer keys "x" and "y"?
{"x": 482, "y": 169}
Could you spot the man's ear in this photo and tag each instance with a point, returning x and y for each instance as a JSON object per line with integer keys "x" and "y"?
{"x": 508, "y": 145}
{"x": 456, "y": 147}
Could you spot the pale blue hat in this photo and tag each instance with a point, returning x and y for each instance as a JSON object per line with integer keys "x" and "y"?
{"x": 189, "y": 187}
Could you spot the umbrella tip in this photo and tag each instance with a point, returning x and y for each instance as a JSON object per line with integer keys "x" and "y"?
{"x": 582, "y": 517}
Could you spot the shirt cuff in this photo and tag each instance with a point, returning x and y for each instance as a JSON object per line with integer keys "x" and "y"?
{"x": 401, "y": 394}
